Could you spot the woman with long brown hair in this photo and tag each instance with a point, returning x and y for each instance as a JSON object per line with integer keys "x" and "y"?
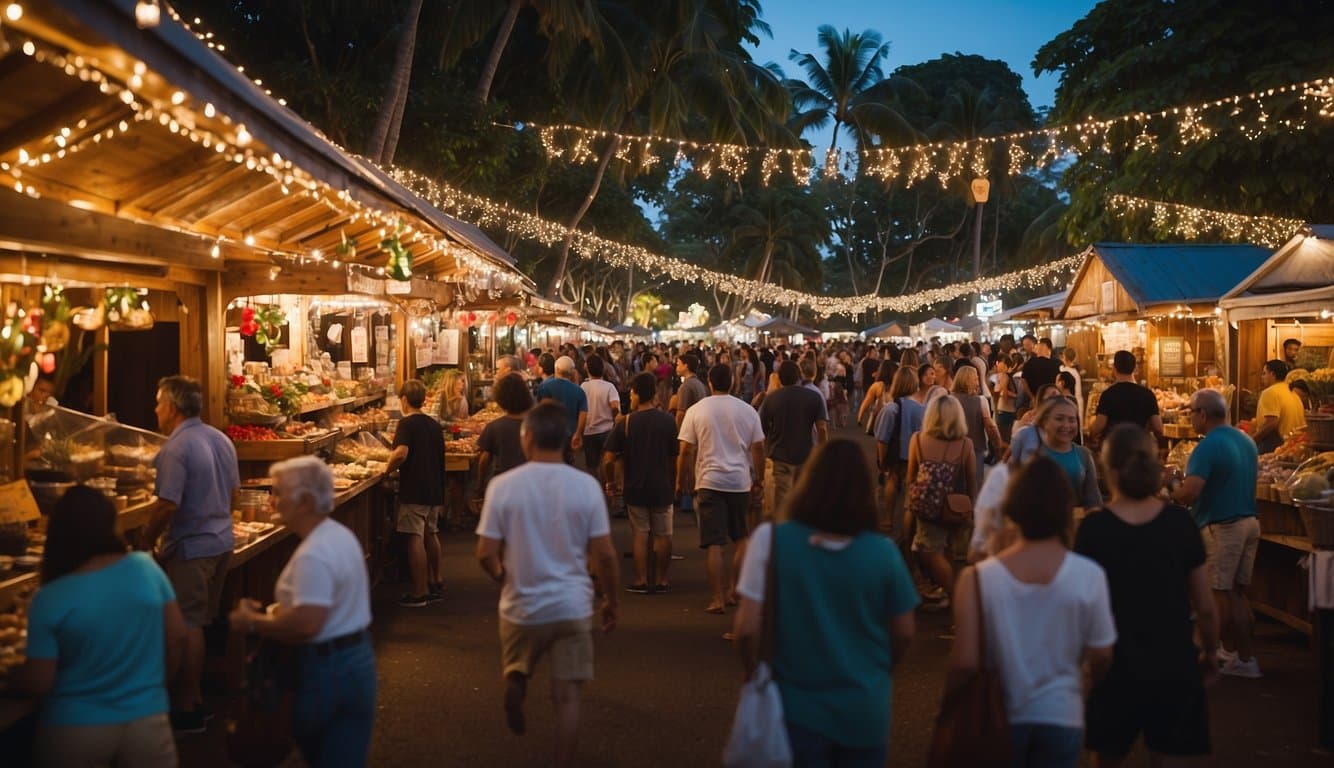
{"x": 843, "y": 614}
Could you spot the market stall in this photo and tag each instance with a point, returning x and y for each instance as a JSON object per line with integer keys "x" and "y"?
{"x": 1159, "y": 302}
{"x": 935, "y": 328}
{"x": 893, "y": 332}
{"x": 162, "y": 214}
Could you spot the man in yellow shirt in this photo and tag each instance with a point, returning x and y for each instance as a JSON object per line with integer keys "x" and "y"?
{"x": 1279, "y": 411}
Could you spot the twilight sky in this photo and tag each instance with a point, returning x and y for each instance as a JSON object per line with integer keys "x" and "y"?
{"x": 921, "y": 30}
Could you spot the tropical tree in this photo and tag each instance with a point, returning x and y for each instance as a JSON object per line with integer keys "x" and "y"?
{"x": 778, "y": 231}
{"x": 384, "y": 136}
{"x": 1130, "y": 56}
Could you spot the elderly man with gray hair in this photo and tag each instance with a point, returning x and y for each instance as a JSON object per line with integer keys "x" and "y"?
{"x": 1220, "y": 489}
{"x": 197, "y": 478}
{"x": 322, "y": 607}
{"x": 571, "y": 396}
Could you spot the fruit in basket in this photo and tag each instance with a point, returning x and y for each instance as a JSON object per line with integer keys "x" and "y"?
{"x": 1308, "y": 485}
{"x": 240, "y": 432}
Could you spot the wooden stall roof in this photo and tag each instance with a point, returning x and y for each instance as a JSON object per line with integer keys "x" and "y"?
{"x": 1297, "y": 280}
{"x": 155, "y": 127}
{"x": 1145, "y": 277}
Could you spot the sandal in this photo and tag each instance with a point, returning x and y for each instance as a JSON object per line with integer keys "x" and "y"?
{"x": 716, "y": 610}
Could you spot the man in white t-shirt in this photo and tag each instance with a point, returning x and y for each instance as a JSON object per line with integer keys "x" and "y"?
{"x": 722, "y": 462}
{"x": 540, "y": 523}
{"x": 604, "y": 403}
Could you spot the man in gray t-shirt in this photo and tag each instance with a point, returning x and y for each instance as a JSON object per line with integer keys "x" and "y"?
{"x": 692, "y": 389}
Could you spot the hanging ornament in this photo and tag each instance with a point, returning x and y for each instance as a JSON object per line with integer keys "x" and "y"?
{"x": 399, "y": 265}
{"x": 511, "y": 318}
{"x": 89, "y": 318}
{"x": 47, "y": 362}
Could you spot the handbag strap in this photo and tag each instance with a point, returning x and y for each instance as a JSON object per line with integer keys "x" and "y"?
{"x": 981, "y": 621}
{"x": 769, "y": 618}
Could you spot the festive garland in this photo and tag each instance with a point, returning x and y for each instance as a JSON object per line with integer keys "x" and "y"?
{"x": 1191, "y": 222}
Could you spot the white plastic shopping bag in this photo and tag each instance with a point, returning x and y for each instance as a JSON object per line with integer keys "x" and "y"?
{"x": 759, "y": 733}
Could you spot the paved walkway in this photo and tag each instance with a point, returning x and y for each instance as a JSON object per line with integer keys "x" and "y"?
{"x": 667, "y": 683}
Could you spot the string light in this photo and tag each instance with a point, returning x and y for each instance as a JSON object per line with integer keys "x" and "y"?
{"x": 1191, "y": 222}
{"x": 13, "y": 11}
{"x": 945, "y": 160}
{"x": 147, "y": 14}
{"x": 484, "y": 212}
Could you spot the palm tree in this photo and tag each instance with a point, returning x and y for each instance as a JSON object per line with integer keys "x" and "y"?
{"x": 780, "y": 230}
{"x": 849, "y": 88}
{"x": 384, "y": 137}
{"x": 674, "y": 69}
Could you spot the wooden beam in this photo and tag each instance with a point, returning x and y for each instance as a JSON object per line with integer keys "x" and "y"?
{"x": 257, "y": 211}
{"x": 74, "y": 271}
{"x": 198, "y": 185}
{"x": 194, "y": 159}
{"x": 241, "y": 193}
{"x": 47, "y": 226}
{"x": 324, "y": 225}
{"x": 252, "y": 279}
{"x": 47, "y": 121}
{"x": 215, "y": 351}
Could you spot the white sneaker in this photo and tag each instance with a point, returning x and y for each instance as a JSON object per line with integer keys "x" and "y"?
{"x": 1223, "y": 656}
{"x": 933, "y": 593}
{"x": 1238, "y": 668}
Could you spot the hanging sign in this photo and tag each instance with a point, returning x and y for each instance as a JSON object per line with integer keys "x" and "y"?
{"x": 360, "y": 348}
{"x": 447, "y": 347}
{"x": 985, "y": 309}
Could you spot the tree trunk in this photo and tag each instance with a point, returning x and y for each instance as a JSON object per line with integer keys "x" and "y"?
{"x": 391, "y": 112}
{"x": 497, "y": 48}
{"x": 607, "y": 154}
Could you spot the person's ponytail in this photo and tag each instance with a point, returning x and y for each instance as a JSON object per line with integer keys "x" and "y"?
{"x": 1132, "y": 454}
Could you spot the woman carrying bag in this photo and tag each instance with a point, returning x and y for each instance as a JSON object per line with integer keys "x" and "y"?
{"x": 1046, "y": 612}
{"x": 942, "y": 484}
{"x": 843, "y": 613}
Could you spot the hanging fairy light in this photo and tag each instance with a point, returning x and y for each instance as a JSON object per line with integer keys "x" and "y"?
{"x": 147, "y": 14}
{"x": 1191, "y": 222}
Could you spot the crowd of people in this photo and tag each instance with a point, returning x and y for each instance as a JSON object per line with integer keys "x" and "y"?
{"x": 1101, "y": 564}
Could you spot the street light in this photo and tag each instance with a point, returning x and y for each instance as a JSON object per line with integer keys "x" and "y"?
{"x": 980, "y": 189}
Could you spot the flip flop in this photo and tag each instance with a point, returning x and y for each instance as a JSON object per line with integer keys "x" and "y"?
{"x": 716, "y": 610}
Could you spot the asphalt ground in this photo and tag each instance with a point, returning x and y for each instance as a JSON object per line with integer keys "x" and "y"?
{"x": 667, "y": 682}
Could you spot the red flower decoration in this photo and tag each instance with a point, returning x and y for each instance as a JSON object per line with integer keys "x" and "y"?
{"x": 238, "y": 381}
{"x": 511, "y": 318}
{"x": 455, "y": 429}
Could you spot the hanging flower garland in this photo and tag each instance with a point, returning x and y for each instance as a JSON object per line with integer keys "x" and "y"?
{"x": 18, "y": 349}
{"x": 264, "y": 324}
{"x": 399, "y": 265}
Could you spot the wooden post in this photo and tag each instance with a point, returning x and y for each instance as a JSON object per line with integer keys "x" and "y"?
{"x": 214, "y": 378}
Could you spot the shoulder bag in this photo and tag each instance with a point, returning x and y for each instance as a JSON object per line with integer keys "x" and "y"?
{"x": 972, "y": 728}
{"x": 759, "y": 731}
{"x": 959, "y": 506}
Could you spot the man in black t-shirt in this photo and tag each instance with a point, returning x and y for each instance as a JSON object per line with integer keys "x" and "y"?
{"x": 419, "y": 455}
{"x": 795, "y": 419}
{"x": 644, "y": 444}
{"x": 1126, "y": 401}
{"x": 1041, "y": 370}
{"x": 499, "y": 445}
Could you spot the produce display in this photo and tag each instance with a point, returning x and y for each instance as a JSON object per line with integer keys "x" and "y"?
{"x": 359, "y": 450}
{"x": 244, "y": 432}
{"x": 1312, "y": 478}
{"x": 14, "y": 633}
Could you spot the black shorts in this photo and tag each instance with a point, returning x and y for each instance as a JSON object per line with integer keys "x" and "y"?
{"x": 1172, "y": 715}
{"x": 721, "y": 515}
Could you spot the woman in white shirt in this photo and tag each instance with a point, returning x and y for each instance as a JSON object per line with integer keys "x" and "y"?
{"x": 323, "y": 608}
{"x": 1046, "y": 612}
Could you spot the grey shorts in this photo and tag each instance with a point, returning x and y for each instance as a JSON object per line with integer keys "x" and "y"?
{"x": 569, "y": 643}
{"x": 1230, "y": 548}
{"x": 198, "y": 586}
{"x": 418, "y": 519}
{"x": 655, "y": 520}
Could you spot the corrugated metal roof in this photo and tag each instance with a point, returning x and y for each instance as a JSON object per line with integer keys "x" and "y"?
{"x": 1162, "y": 273}
{"x": 1052, "y": 301}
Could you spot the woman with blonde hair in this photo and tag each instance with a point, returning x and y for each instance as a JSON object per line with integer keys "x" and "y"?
{"x": 976, "y": 413}
{"x": 453, "y": 395}
{"x": 1053, "y": 435}
{"x": 940, "y": 462}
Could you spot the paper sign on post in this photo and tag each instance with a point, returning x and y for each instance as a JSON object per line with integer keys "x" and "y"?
{"x": 360, "y": 347}
{"x": 17, "y": 504}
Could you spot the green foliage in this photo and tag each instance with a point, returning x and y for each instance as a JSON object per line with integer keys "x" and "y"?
{"x": 1145, "y": 55}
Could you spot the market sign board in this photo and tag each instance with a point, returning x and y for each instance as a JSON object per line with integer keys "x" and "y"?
{"x": 1172, "y": 356}
{"x": 985, "y": 309}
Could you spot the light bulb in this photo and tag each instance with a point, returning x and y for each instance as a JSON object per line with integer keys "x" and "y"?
{"x": 242, "y": 136}
{"x": 147, "y": 14}
{"x": 13, "y": 11}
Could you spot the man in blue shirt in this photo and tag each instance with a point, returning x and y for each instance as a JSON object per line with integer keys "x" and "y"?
{"x": 1220, "y": 489}
{"x": 197, "y": 479}
{"x": 563, "y": 390}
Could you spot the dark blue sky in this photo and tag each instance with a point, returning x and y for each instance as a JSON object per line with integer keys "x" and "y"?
{"x": 921, "y": 30}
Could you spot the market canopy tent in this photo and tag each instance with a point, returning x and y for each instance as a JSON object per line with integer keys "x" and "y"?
{"x": 1039, "y": 308}
{"x": 936, "y": 325}
{"x": 630, "y": 330}
{"x": 890, "y": 330}
{"x": 781, "y": 326}
{"x": 1298, "y": 280}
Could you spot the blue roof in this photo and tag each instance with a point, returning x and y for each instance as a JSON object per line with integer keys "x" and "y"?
{"x": 1162, "y": 273}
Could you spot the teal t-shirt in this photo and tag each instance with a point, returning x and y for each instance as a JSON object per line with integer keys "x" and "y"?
{"x": 104, "y": 628}
{"x": 832, "y": 655}
{"x": 1072, "y": 462}
{"x": 1227, "y": 460}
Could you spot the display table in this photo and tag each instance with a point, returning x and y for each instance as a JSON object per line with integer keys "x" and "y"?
{"x": 1278, "y": 584}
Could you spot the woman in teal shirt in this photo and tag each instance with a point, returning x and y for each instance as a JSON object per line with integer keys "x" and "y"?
{"x": 843, "y": 611}
{"x": 104, "y": 633}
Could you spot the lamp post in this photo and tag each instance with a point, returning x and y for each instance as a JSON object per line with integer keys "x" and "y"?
{"x": 980, "y": 189}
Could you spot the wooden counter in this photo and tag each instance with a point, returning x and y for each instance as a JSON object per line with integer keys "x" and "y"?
{"x": 1279, "y": 583}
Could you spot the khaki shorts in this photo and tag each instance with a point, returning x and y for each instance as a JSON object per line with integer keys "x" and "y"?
{"x": 931, "y": 537}
{"x": 779, "y": 477}
{"x": 147, "y": 741}
{"x": 655, "y": 520}
{"x": 1230, "y": 548}
{"x": 418, "y": 519}
{"x": 198, "y": 586}
{"x": 570, "y": 644}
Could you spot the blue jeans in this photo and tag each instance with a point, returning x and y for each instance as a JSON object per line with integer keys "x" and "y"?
{"x": 814, "y": 750}
{"x": 335, "y": 707}
{"x": 1045, "y": 746}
